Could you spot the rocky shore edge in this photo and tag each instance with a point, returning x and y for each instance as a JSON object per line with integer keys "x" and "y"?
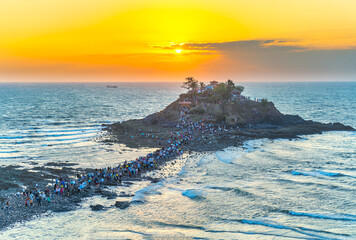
{"x": 129, "y": 133}
{"x": 17, "y": 212}
{"x": 240, "y": 118}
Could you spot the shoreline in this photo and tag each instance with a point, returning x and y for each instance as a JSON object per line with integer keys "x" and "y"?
{"x": 171, "y": 136}
{"x": 17, "y": 212}
{"x": 130, "y": 133}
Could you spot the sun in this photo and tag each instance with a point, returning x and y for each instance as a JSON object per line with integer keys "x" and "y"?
{"x": 178, "y": 50}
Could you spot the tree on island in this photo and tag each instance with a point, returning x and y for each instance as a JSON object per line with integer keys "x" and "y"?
{"x": 191, "y": 84}
{"x": 220, "y": 92}
{"x": 239, "y": 89}
{"x": 224, "y": 91}
{"x": 202, "y": 86}
{"x": 230, "y": 86}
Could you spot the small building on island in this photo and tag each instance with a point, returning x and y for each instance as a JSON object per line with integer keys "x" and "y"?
{"x": 212, "y": 85}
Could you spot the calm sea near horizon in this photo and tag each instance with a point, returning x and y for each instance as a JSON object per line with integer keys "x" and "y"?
{"x": 267, "y": 189}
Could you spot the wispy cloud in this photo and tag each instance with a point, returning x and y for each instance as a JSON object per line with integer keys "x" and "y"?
{"x": 221, "y": 46}
{"x": 275, "y": 56}
{"x": 209, "y": 60}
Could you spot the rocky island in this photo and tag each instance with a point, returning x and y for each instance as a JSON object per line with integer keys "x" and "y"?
{"x": 231, "y": 117}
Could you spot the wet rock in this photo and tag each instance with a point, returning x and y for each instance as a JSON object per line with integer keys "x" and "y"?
{"x": 126, "y": 195}
{"x": 61, "y": 164}
{"x": 107, "y": 194}
{"x": 32, "y": 163}
{"x": 155, "y": 180}
{"x": 58, "y": 209}
{"x": 111, "y": 183}
{"x": 122, "y": 204}
{"x": 76, "y": 200}
{"x": 97, "y": 207}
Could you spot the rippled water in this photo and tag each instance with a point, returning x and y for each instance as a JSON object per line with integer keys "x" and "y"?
{"x": 278, "y": 189}
{"x": 57, "y": 122}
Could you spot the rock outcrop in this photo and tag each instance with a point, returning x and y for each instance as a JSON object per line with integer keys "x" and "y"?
{"x": 243, "y": 118}
{"x": 242, "y": 112}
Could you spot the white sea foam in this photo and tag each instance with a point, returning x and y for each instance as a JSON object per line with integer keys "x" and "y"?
{"x": 152, "y": 189}
{"x": 230, "y": 154}
{"x": 225, "y": 156}
{"x": 204, "y": 160}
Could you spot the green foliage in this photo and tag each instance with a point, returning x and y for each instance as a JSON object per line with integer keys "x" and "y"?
{"x": 230, "y": 85}
{"x": 191, "y": 84}
{"x": 239, "y": 89}
{"x": 264, "y": 101}
{"x": 222, "y": 91}
{"x": 202, "y": 86}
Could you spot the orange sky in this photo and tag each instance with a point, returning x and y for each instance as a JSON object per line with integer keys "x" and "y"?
{"x": 136, "y": 40}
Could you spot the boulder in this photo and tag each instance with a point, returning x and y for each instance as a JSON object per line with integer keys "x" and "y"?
{"x": 97, "y": 207}
{"x": 122, "y": 204}
{"x": 63, "y": 208}
{"x": 126, "y": 195}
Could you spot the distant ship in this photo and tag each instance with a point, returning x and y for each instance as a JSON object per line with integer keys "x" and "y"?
{"x": 111, "y": 86}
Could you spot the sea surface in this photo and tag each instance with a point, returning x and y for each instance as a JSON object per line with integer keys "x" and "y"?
{"x": 267, "y": 189}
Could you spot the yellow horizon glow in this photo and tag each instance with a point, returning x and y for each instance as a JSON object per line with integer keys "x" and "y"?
{"x": 128, "y": 39}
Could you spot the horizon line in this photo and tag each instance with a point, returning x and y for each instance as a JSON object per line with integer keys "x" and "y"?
{"x": 119, "y": 82}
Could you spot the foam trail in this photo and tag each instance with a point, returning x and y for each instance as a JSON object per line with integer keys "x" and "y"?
{"x": 317, "y": 173}
{"x": 342, "y": 217}
{"x": 66, "y": 130}
{"x": 279, "y": 226}
{"x": 48, "y": 135}
{"x": 64, "y": 139}
{"x": 254, "y": 233}
{"x": 185, "y": 226}
{"x": 51, "y": 130}
{"x": 11, "y": 151}
{"x": 11, "y": 137}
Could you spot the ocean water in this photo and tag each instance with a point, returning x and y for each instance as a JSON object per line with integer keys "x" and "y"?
{"x": 42, "y": 123}
{"x": 267, "y": 189}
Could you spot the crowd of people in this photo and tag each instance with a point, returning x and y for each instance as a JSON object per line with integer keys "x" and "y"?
{"x": 36, "y": 196}
{"x": 69, "y": 186}
{"x": 201, "y": 126}
{"x": 190, "y": 126}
